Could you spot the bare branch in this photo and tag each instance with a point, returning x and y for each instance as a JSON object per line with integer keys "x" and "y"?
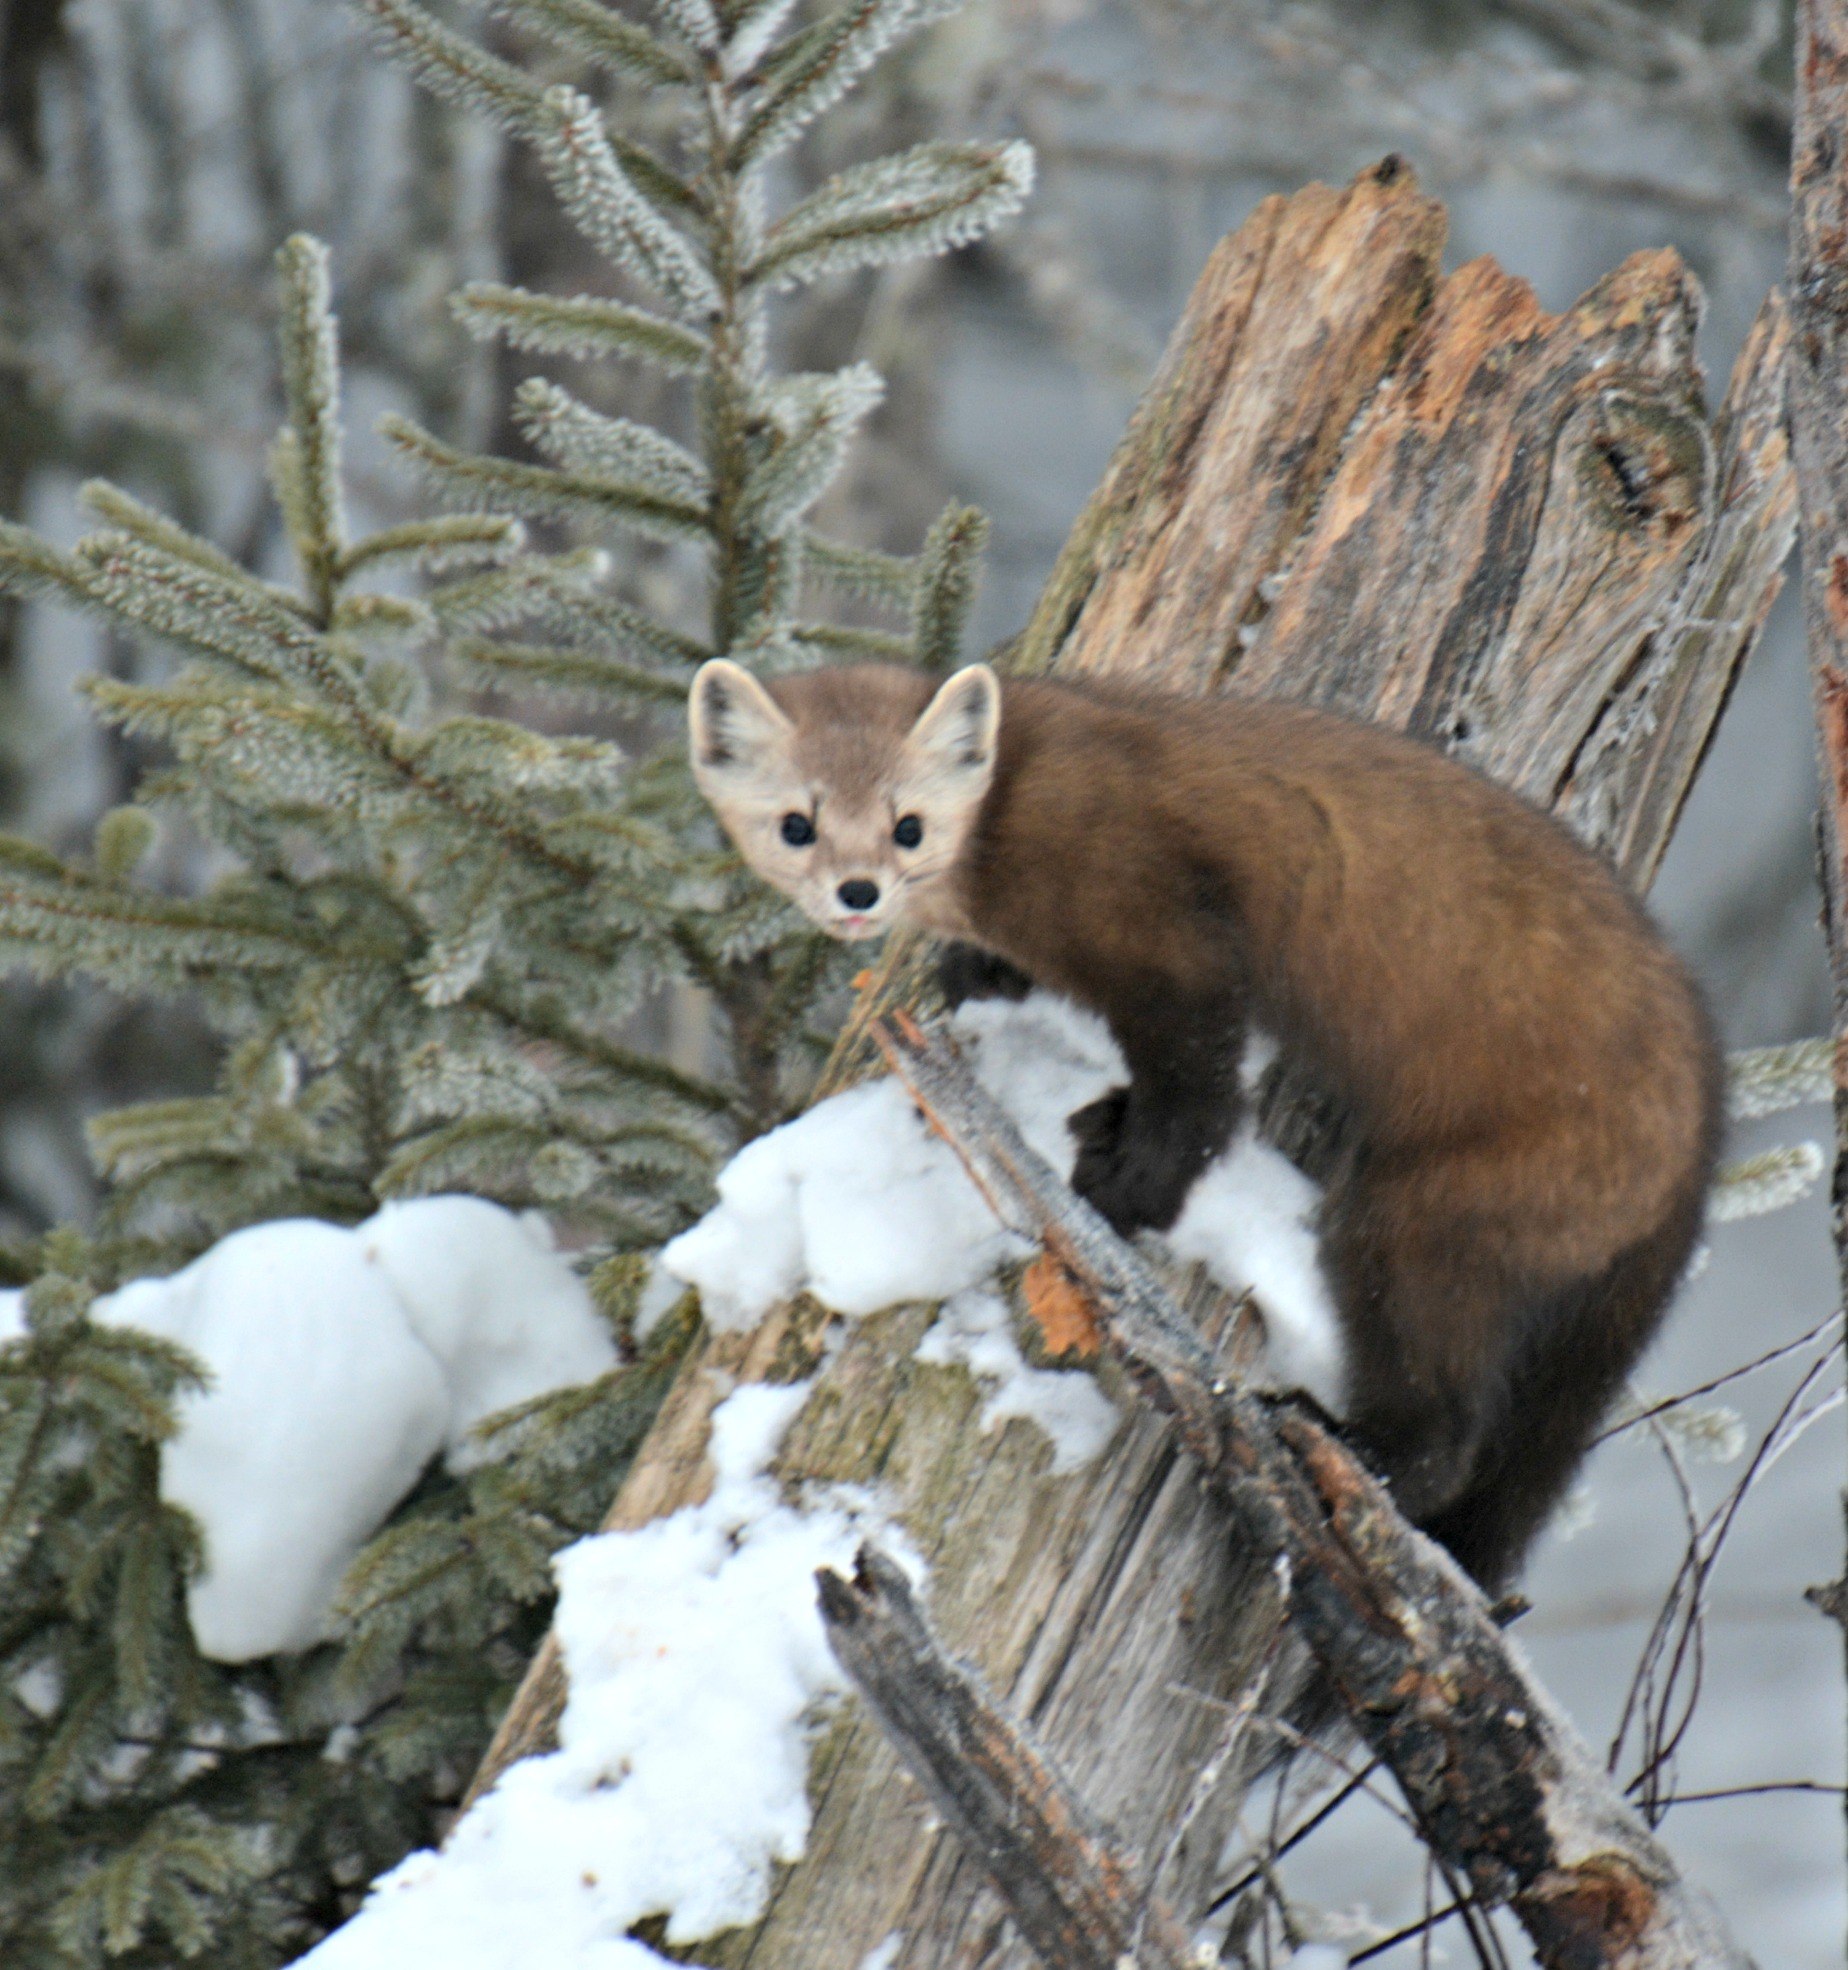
{"x": 1075, "y": 1899}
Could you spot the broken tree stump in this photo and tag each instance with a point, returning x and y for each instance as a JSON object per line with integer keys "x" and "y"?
{"x": 1360, "y": 482}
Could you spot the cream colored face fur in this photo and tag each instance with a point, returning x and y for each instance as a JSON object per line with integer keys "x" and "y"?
{"x": 853, "y": 780}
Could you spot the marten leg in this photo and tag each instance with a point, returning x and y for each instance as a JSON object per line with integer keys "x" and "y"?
{"x": 1478, "y": 1370}
{"x": 1580, "y": 1343}
{"x": 966, "y": 971}
{"x": 1429, "y": 1320}
{"x": 1141, "y": 1147}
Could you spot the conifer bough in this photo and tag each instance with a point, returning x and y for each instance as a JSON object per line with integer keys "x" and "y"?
{"x": 434, "y": 928}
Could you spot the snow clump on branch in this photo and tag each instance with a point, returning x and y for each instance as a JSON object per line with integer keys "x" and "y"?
{"x": 858, "y": 1203}
{"x": 340, "y": 1362}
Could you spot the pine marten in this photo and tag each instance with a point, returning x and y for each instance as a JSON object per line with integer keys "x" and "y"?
{"x": 1527, "y": 1081}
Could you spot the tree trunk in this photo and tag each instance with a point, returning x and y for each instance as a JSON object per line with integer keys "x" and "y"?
{"x": 1417, "y": 498}
{"x": 1819, "y": 435}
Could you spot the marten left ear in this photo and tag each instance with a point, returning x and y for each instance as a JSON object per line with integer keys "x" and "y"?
{"x": 953, "y": 743}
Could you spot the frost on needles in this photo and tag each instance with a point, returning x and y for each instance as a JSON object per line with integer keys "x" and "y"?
{"x": 430, "y": 937}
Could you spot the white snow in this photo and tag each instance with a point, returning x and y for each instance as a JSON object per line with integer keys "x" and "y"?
{"x": 859, "y": 1204}
{"x": 975, "y": 1329}
{"x": 696, "y": 1661}
{"x": 489, "y": 1296}
{"x": 323, "y": 1408}
{"x": 340, "y": 1362}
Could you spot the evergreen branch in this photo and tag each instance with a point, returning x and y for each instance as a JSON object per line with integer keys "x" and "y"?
{"x": 580, "y": 439}
{"x": 862, "y": 645}
{"x": 584, "y": 326}
{"x": 311, "y": 388}
{"x": 599, "y": 193}
{"x": 262, "y": 749}
{"x": 1767, "y": 1182}
{"x": 580, "y": 674}
{"x": 176, "y": 598}
{"x": 381, "y": 615}
{"x": 126, "y": 514}
{"x": 947, "y": 571}
{"x": 591, "y": 31}
{"x": 55, "y": 918}
{"x": 456, "y": 69}
{"x": 750, "y": 27}
{"x": 596, "y": 614}
{"x": 817, "y": 416}
{"x": 864, "y": 571}
{"x": 1767, "y": 1079}
{"x": 695, "y": 21}
{"x": 439, "y": 544}
{"x": 31, "y": 566}
{"x": 831, "y": 61}
{"x": 923, "y": 201}
{"x": 453, "y": 67}
{"x": 541, "y": 1019}
{"x": 535, "y": 587}
{"x": 539, "y": 489}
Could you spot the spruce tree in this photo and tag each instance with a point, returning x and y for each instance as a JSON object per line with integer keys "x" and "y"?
{"x": 426, "y": 950}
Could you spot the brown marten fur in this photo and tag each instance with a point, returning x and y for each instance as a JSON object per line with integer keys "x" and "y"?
{"x": 1527, "y": 1082}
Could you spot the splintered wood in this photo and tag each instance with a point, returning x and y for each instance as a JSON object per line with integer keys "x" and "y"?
{"x": 1358, "y": 481}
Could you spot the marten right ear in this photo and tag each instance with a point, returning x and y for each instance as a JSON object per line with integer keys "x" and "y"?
{"x": 739, "y": 732}
{"x": 953, "y": 743}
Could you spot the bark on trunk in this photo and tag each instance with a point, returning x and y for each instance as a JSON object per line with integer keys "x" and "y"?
{"x": 1361, "y": 483}
{"x": 1819, "y": 435}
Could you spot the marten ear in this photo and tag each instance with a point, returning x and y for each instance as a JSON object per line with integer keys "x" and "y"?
{"x": 739, "y": 733}
{"x": 953, "y": 743}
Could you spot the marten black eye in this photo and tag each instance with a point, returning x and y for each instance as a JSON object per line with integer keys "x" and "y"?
{"x": 909, "y": 831}
{"x": 798, "y": 830}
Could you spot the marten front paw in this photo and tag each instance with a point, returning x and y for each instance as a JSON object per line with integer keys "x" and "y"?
{"x": 1097, "y": 1127}
{"x": 1120, "y": 1173}
{"x": 966, "y": 971}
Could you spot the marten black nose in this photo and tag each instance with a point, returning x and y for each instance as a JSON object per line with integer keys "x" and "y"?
{"x": 859, "y": 894}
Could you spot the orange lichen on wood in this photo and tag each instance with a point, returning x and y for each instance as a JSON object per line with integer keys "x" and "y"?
{"x": 1061, "y": 1311}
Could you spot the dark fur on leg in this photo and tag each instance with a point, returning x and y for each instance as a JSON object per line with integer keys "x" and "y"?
{"x": 966, "y": 971}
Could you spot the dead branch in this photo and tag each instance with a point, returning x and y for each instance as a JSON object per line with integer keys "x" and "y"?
{"x": 1504, "y": 1791}
{"x": 1074, "y": 1898}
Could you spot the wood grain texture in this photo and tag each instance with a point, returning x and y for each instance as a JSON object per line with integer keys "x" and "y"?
{"x": 1819, "y": 439}
{"x": 1077, "y": 1901}
{"x": 1290, "y": 328}
{"x": 1357, "y": 484}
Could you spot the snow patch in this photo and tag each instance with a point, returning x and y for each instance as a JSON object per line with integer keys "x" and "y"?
{"x": 859, "y": 1204}
{"x": 322, "y": 1409}
{"x": 488, "y": 1294}
{"x": 696, "y": 1660}
{"x": 976, "y": 1330}
{"x": 340, "y": 1362}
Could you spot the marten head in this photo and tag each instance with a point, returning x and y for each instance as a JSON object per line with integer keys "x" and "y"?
{"x": 851, "y": 790}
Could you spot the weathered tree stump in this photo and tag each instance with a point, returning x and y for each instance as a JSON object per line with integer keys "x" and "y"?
{"x": 1362, "y": 483}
